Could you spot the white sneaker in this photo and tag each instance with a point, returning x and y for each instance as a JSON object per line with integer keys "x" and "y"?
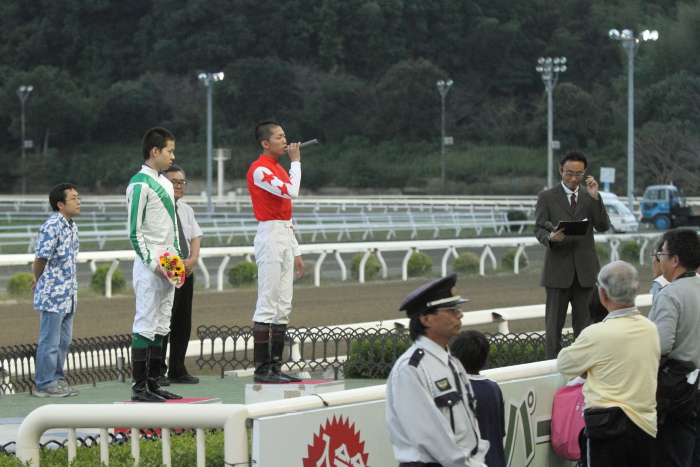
{"x": 73, "y": 391}
{"x": 52, "y": 391}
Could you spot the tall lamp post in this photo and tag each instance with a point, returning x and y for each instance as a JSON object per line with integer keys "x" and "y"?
{"x": 208, "y": 79}
{"x": 550, "y": 68}
{"x": 23, "y": 93}
{"x": 631, "y": 43}
{"x": 443, "y": 88}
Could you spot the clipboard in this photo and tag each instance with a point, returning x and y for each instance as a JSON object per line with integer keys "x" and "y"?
{"x": 573, "y": 227}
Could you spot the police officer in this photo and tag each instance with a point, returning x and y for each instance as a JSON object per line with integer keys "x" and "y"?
{"x": 429, "y": 401}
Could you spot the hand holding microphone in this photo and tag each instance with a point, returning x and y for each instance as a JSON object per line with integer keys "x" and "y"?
{"x": 293, "y": 149}
{"x": 555, "y": 235}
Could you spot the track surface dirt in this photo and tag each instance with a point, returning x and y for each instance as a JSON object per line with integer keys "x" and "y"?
{"x": 330, "y": 304}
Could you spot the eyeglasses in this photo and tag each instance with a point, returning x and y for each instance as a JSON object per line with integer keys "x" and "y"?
{"x": 570, "y": 174}
{"x": 176, "y": 183}
{"x": 453, "y": 310}
{"x": 73, "y": 199}
{"x": 658, "y": 255}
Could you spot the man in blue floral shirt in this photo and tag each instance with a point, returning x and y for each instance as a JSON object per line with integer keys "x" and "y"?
{"x": 55, "y": 289}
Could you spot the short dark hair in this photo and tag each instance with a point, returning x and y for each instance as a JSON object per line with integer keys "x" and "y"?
{"x": 155, "y": 138}
{"x": 263, "y": 131}
{"x": 175, "y": 168}
{"x": 576, "y": 156}
{"x": 416, "y": 328}
{"x": 472, "y": 349}
{"x": 58, "y": 194}
{"x": 685, "y": 244}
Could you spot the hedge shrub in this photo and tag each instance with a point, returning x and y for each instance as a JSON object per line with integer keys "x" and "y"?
{"x": 630, "y": 252}
{"x": 508, "y": 260}
{"x": 603, "y": 254}
{"x": 419, "y": 264}
{"x": 373, "y": 356}
{"x": 372, "y": 267}
{"x": 466, "y": 262}
{"x": 97, "y": 283}
{"x": 18, "y": 285}
{"x": 243, "y": 273}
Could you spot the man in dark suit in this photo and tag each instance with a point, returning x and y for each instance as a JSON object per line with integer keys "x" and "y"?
{"x": 571, "y": 262}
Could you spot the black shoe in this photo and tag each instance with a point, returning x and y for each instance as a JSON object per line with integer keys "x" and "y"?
{"x": 141, "y": 393}
{"x": 157, "y": 390}
{"x": 163, "y": 381}
{"x": 269, "y": 378}
{"x": 184, "y": 379}
{"x": 292, "y": 379}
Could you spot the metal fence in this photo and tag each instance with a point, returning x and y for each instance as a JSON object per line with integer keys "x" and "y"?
{"x": 89, "y": 360}
{"x": 331, "y": 352}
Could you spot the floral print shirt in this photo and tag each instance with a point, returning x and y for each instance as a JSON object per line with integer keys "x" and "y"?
{"x": 57, "y": 289}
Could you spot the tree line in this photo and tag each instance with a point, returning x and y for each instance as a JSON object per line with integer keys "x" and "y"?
{"x": 358, "y": 75}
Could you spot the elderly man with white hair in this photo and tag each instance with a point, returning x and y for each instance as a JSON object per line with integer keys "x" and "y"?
{"x": 619, "y": 357}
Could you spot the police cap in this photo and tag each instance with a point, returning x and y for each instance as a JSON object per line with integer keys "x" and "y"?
{"x": 440, "y": 293}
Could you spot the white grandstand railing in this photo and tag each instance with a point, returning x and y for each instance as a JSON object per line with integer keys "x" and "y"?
{"x": 231, "y": 418}
{"x": 321, "y": 251}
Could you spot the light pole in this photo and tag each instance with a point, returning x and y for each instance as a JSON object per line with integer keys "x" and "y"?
{"x": 23, "y": 93}
{"x": 208, "y": 80}
{"x": 443, "y": 88}
{"x": 550, "y": 68}
{"x": 631, "y": 43}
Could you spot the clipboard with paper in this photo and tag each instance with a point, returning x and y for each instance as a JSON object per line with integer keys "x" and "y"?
{"x": 573, "y": 227}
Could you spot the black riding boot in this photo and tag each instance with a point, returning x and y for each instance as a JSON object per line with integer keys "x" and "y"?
{"x": 140, "y": 391}
{"x": 261, "y": 356}
{"x": 154, "y": 356}
{"x": 277, "y": 335}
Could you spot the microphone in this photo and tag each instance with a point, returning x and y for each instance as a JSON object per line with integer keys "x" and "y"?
{"x": 308, "y": 143}
{"x": 548, "y": 225}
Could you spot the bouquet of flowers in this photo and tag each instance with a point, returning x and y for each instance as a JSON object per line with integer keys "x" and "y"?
{"x": 171, "y": 265}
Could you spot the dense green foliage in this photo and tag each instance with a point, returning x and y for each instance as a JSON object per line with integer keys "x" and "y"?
{"x": 19, "y": 286}
{"x": 359, "y": 76}
{"x": 508, "y": 260}
{"x": 97, "y": 283}
{"x": 183, "y": 452}
{"x": 244, "y": 272}
{"x": 374, "y": 355}
{"x": 630, "y": 252}
{"x": 603, "y": 254}
{"x": 372, "y": 267}
{"x": 419, "y": 264}
{"x": 466, "y": 263}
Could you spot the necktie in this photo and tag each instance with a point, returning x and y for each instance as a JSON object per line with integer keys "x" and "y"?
{"x": 184, "y": 247}
{"x": 573, "y": 202}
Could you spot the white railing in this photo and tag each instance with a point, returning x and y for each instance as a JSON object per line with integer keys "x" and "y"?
{"x": 321, "y": 251}
{"x": 231, "y": 418}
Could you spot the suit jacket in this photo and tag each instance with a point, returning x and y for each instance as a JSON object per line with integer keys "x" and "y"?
{"x": 575, "y": 253}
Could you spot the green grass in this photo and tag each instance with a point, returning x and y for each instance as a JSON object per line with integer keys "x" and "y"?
{"x": 183, "y": 453}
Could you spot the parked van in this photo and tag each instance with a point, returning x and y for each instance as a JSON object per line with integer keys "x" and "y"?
{"x": 621, "y": 218}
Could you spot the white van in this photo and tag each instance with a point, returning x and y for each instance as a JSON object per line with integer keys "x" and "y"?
{"x": 621, "y": 218}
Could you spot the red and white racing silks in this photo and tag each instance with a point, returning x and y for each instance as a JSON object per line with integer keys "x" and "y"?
{"x": 272, "y": 189}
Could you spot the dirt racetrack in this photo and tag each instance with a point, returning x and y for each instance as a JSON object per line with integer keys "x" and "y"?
{"x": 330, "y": 304}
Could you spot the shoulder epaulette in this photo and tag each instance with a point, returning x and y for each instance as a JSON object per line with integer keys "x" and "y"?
{"x": 416, "y": 357}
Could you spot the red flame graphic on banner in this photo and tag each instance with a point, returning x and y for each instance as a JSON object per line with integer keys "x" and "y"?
{"x": 337, "y": 445}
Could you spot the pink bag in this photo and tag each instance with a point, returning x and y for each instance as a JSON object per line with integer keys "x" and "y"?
{"x": 567, "y": 422}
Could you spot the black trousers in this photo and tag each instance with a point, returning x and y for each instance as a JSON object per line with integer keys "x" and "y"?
{"x": 555, "y": 314}
{"x": 180, "y": 329}
{"x": 634, "y": 448}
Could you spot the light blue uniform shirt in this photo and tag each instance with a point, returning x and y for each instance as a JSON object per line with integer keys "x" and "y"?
{"x": 57, "y": 289}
